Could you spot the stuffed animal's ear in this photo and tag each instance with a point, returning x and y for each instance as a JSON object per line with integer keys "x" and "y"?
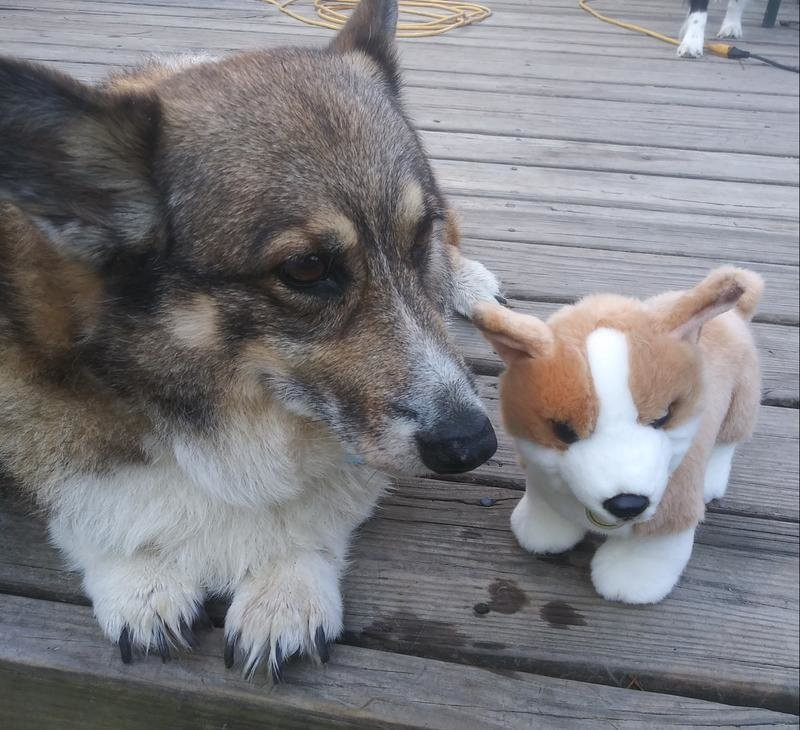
{"x": 723, "y": 289}
{"x": 78, "y": 160}
{"x": 514, "y": 336}
{"x": 371, "y": 29}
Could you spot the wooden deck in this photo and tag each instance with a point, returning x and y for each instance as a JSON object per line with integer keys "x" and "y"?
{"x": 581, "y": 158}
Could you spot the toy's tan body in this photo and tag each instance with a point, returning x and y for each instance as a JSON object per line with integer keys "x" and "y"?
{"x": 626, "y": 414}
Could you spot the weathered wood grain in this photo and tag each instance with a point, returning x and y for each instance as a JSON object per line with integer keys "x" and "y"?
{"x": 716, "y": 238}
{"x": 640, "y": 160}
{"x": 434, "y": 551}
{"x": 54, "y": 659}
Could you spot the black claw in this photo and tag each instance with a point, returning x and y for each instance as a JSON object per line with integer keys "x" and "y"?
{"x": 163, "y": 646}
{"x": 500, "y": 298}
{"x": 124, "y": 642}
{"x": 230, "y": 648}
{"x": 321, "y": 643}
{"x": 187, "y": 634}
{"x": 203, "y": 620}
{"x": 276, "y": 669}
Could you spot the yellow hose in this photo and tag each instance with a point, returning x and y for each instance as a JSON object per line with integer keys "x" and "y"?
{"x": 437, "y": 16}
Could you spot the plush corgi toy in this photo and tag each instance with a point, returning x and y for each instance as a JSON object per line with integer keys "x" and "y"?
{"x": 626, "y": 414}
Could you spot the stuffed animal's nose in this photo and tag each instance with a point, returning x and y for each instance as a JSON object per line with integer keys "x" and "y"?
{"x": 458, "y": 443}
{"x": 627, "y": 506}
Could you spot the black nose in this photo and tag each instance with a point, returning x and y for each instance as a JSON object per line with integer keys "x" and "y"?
{"x": 457, "y": 444}
{"x": 626, "y": 506}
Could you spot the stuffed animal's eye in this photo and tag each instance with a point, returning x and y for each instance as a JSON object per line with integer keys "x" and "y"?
{"x": 564, "y": 432}
{"x": 661, "y": 421}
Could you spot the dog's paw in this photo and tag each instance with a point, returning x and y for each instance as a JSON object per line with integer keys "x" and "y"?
{"x": 288, "y": 610}
{"x": 144, "y": 608}
{"x": 539, "y": 529}
{"x": 691, "y": 48}
{"x": 474, "y": 283}
{"x": 641, "y": 569}
{"x": 730, "y": 29}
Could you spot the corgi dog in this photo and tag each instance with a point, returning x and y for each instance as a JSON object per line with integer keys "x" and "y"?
{"x": 626, "y": 414}
{"x": 224, "y": 287}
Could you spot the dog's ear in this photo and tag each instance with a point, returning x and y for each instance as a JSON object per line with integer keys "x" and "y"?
{"x": 78, "y": 160}
{"x": 720, "y": 291}
{"x": 371, "y": 29}
{"x": 514, "y": 336}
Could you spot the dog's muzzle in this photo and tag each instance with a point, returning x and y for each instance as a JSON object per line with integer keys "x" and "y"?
{"x": 458, "y": 443}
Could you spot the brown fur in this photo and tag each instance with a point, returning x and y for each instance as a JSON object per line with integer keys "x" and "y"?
{"x": 147, "y": 221}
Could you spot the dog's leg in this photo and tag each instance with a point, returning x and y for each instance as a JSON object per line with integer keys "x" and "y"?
{"x": 540, "y": 529}
{"x": 291, "y": 606}
{"x": 693, "y": 33}
{"x": 473, "y": 283}
{"x": 641, "y": 569}
{"x": 732, "y": 24}
{"x": 141, "y": 602}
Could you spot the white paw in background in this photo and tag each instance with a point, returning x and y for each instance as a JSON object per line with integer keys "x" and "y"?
{"x": 143, "y": 606}
{"x": 730, "y": 29}
{"x": 293, "y": 608}
{"x": 693, "y": 36}
{"x": 718, "y": 472}
{"x": 641, "y": 569}
{"x": 474, "y": 283}
{"x": 539, "y": 529}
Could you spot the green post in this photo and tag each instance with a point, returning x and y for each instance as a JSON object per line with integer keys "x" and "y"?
{"x": 771, "y": 13}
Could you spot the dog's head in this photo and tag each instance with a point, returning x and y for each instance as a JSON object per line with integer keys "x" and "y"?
{"x": 266, "y": 223}
{"x": 604, "y": 397}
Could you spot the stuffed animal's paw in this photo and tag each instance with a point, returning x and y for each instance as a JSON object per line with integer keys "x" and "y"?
{"x": 641, "y": 569}
{"x": 539, "y": 529}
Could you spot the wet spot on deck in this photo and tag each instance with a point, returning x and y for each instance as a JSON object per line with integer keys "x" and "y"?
{"x": 405, "y": 627}
{"x": 506, "y": 596}
{"x": 489, "y": 645}
{"x": 469, "y": 534}
{"x": 561, "y": 615}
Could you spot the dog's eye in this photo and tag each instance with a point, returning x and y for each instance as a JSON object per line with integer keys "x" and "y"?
{"x": 564, "y": 432}
{"x": 304, "y": 271}
{"x": 661, "y": 421}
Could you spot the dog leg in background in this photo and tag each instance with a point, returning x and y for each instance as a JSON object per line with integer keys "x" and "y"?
{"x": 641, "y": 569}
{"x": 472, "y": 282}
{"x": 540, "y": 529}
{"x": 732, "y": 23}
{"x": 693, "y": 33}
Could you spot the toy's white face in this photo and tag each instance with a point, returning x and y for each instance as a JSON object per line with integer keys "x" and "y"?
{"x": 620, "y": 471}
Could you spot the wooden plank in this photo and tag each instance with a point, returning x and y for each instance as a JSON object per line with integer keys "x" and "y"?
{"x": 421, "y": 566}
{"x": 536, "y": 272}
{"x": 629, "y": 159}
{"x": 528, "y": 181}
{"x": 57, "y": 670}
{"x": 626, "y": 229}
